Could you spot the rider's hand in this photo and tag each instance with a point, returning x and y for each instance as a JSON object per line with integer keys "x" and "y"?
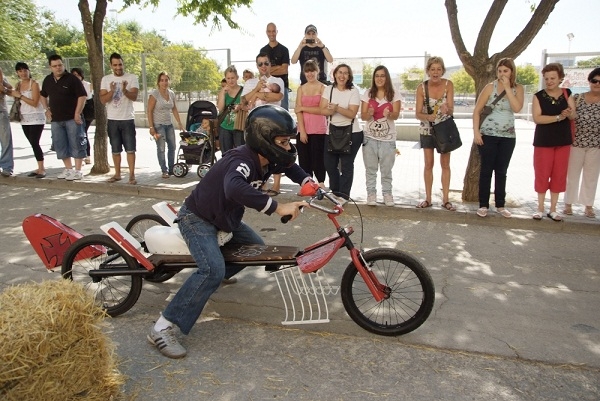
{"x": 309, "y": 189}
{"x": 291, "y": 209}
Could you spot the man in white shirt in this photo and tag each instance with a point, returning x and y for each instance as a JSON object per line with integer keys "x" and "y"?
{"x": 118, "y": 91}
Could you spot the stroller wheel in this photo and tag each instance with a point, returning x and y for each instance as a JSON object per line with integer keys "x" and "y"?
{"x": 180, "y": 170}
{"x": 203, "y": 169}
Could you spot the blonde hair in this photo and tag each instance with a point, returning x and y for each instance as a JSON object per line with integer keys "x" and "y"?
{"x": 435, "y": 60}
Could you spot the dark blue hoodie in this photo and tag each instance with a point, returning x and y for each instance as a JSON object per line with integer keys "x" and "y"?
{"x": 233, "y": 183}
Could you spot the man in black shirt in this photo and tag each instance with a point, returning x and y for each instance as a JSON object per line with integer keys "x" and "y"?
{"x": 280, "y": 60}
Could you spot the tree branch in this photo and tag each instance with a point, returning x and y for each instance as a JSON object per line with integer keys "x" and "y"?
{"x": 487, "y": 28}
{"x": 459, "y": 44}
{"x": 526, "y": 36}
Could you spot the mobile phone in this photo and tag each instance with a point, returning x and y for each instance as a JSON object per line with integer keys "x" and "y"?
{"x": 310, "y": 41}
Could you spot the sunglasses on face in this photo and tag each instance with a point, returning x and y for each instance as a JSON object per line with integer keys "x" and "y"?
{"x": 595, "y": 81}
{"x": 263, "y": 63}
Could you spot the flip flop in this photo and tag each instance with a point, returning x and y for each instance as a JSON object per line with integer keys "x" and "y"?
{"x": 538, "y": 215}
{"x": 424, "y": 204}
{"x": 32, "y": 174}
{"x": 555, "y": 216}
{"x": 448, "y": 206}
{"x": 114, "y": 179}
{"x": 42, "y": 175}
{"x": 132, "y": 182}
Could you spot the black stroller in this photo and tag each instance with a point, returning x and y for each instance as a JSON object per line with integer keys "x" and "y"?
{"x": 198, "y": 143}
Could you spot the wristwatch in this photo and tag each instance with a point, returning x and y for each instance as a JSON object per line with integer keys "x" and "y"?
{"x": 558, "y": 118}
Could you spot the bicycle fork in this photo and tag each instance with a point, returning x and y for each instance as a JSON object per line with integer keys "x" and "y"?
{"x": 379, "y": 291}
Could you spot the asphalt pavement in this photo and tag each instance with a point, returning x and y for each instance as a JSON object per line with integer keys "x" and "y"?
{"x": 515, "y": 316}
{"x": 516, "y": 306}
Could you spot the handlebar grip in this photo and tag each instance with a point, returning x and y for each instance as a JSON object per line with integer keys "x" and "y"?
{"x": 288, "y": 217}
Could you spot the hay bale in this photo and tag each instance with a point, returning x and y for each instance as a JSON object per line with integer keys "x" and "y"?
{"x": 52, "y": 347}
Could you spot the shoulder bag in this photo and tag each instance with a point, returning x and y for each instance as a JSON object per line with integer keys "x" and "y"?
{"x": 446, "y": 136}
{"x": 339, "y": 140}
{"x": 241, "y": 116}
{"x": 572, "y": 122}
{"x": 15, "y": 115}
{"x": 487, "y": 110}
{"x": 228, "y": 108}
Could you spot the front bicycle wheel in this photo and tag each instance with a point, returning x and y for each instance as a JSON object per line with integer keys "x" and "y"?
{"x": 115, "y": 294}
{"x": 411, "y": 293}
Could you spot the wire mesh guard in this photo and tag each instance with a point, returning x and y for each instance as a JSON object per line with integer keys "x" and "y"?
{"x": 304, "y": 295}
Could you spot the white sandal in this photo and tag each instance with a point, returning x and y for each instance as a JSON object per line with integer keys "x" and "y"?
{"x": 482, "y": 211}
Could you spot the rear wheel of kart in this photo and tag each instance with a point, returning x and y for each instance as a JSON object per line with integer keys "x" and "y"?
{"x": 180, "y": 170}
{"x": 203, "y": 169}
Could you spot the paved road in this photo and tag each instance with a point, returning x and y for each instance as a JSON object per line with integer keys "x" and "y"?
{"x": 515, "y": 316}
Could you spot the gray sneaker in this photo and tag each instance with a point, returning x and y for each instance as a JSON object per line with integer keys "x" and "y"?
{"x": 166, "y": 342}
{"x": 65, "y": 174}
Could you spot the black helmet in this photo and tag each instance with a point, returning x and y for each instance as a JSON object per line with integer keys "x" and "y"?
{"x": 263, "y": 125}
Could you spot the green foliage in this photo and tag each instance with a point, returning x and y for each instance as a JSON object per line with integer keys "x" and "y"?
{"x": 592, "y": 62}
{"x": 202, "y": 11}
{"x": 367, "y": 73}
{"x": 527, "y": 76}
{"x": 21, "y": 30}
{"x": 411, "y": 78}
{"x": 463, "y": 82}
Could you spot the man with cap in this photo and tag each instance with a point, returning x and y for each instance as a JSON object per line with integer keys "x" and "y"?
{"x": 279, "y": 56}
{"x": 311, "y": 47}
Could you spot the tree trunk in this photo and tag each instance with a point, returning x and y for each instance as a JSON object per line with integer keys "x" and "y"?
{"x": 482, "y": 67}
{"x": 92, "y": 28}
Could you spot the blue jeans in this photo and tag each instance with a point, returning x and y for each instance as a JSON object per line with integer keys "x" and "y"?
{"x": 7, "y": 162}
{"x": 495, "y": 153}
{"x": 167, "y": 135}
{"x": 379, "y": 155}
{"x": 68, "y": 139}
{"x": 230, "y": 139}
{"x": 340, "y": 168}
{"x": 201, "y": 238}
{"x": 285, "y": 101}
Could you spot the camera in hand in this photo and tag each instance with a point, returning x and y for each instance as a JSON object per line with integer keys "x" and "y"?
{"x": 310, "y": 41}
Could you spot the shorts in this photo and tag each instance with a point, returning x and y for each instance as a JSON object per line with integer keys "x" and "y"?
{"x": 69, "y": 139}
{"x": 427, "y": 141}
{"x": 121, "y": 134}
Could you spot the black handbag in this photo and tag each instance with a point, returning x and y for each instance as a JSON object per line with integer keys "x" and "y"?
{"x": 14, "y": 114}
{"x": 339, "y": 140}
{"x": 15, "y": 111}
{"x": 89, "y": 112}
{"x": 446, "y": 136}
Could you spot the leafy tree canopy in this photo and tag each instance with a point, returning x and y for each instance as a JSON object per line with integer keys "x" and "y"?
{"x": 411, "y": 78}
{"x": 463, "y": 82}
{"x": 21, "y": 30}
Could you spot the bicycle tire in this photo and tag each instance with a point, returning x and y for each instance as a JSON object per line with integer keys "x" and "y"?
{"x": 115, "y": 294}
{"x": 411, "y": 298}
{"x": 137, "y": 227}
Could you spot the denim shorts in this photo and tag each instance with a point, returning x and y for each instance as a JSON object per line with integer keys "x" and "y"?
{"x": 69, "y": 139}
{"x": 121, "y": 134}
{"x": 427, "y": 142}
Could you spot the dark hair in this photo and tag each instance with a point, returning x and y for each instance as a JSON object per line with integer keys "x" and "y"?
{"x": 554, "y": 67}
{"x": 115, "y": 55}
{"x": 509, "y": 63}
{"x": 54, "y": 57}
{"x": 349, "y": 84}
{"x": 78, "y": 71}
{"x": 160, "y": 75}
{"x": 21, "y": 66}
{"x": 263, "y": 55}
{"x": 310, "y": 66}
{"x": 388, "y": 87}
{"x": 595, "y": 72}
{"x": 223, "y": 81}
